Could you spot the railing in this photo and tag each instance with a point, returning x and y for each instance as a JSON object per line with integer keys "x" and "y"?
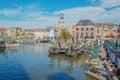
{"x": 113, "y": 45}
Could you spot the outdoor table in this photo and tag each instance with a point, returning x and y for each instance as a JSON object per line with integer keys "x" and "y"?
{"x": 94, "y": 60}
{"x": 94, "y": 63}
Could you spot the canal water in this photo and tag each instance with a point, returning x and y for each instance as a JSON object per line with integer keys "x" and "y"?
{"x": 33, "y": 62}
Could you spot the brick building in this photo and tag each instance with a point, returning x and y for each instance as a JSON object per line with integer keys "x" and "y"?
{"x": 83, "y": 32}
{"x": 2, "y": 30}
{"x": 87, "y": 32}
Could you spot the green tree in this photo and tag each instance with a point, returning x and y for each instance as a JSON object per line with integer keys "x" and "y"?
{"x": 65, "y": 34}
{"x": 23, "y": 34}
{"x": 17, "y": 34}
{"x": 5, "y": 36}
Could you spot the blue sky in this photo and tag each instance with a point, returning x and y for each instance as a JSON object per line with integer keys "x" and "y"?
{"x": 44, "y": 13}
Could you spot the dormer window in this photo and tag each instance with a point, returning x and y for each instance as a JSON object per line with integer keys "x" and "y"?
{"x": 80, "y": 24}
{"x": 89, "y": 24}
{"x": 106, "y": 28}
{"x": 114, "y": 27}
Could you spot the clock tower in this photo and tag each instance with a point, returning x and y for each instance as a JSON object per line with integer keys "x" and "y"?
{"x": 61, "y": 21}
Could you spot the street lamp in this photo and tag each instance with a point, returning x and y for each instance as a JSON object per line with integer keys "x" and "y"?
{"x": 87, "y": 65}
{"x": 110, "y": 74}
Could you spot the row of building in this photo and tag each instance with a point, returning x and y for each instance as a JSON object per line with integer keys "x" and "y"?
{"x": 87, "y": 32}
{"x": 84, "y": 32}
{"x": 37, "y": 33}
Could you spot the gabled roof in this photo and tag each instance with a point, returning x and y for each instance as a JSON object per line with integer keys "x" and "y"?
{"x": 85, "y": 23}
{"x": 108, "y": 23}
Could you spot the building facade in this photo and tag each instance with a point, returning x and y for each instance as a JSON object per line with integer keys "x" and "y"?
{"x": 98, "y": 31}
{"x": 12, "y": 32}
{"x": 109, "y": 30}
{"x": 87, "y": 32}
{"x": 50, "y": 33}
{"x": 83, "y": 32}
{"x": 118, "y": 34}
{"x": 2, "y": 30}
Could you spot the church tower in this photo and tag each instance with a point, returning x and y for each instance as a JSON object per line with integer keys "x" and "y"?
{"x": 61, "y": 21}
{"x": 61, "y": 24}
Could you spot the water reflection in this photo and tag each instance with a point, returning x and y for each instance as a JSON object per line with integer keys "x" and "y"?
{"x": 10, "y": 67}
{"x": 67, "y": 62}
{"x": 4, "y": 52}
{"x": 60, "y": 76}
{"x": 33, "y": 62}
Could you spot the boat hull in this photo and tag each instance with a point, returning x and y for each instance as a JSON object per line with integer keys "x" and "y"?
{"x": 6, "y": 45}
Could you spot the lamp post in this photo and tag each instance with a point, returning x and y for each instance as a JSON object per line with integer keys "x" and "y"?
{"x": 87, "y": 65}
{"x": 110, "y": 74}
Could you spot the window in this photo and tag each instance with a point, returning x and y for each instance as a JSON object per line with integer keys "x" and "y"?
{"x": 86, "y": 29}
{"x": 76, "y": 35}
{"x": 97, "y": 37}
{"x": 86, "y": 34}
{"x": 80, "y": 24}
{"x": 92, "y": 29}
{"x": 82, "y": 29}
{"x": 105, "y": 28}
{"x": 81, "y": 35}
{"x": 97, "y": 31}
{"x": 91, "y": 34}
{"x": 77, "y": 29}
{"x": 89, "y": 23}
{"x": 114, "y": 27}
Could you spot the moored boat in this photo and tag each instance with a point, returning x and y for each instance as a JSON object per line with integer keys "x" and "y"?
{"x": 4, "y": 44}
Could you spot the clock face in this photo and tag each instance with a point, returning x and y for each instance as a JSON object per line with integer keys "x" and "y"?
{"x": 61, "y": 15}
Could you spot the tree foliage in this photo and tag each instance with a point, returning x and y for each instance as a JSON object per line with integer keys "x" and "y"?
{"x": 17, "y": 34}
{"x": 4, "y": 36}
{"x": 23, "y": 34}
{"x": 65, "y": 34}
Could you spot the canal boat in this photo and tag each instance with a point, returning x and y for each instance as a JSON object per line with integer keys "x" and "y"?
{"x": 4, "y": 44}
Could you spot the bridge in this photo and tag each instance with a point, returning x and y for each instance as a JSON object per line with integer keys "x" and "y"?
{"x": 86, "y": 49}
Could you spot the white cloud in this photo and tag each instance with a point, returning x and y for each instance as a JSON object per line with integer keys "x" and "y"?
{"x": 11, "y": 12}
{"x": 26, "y": 24}
{"x": 97, "y": 14}
{"x": 31, "y": 18}
{"x": 110, "y": 3}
